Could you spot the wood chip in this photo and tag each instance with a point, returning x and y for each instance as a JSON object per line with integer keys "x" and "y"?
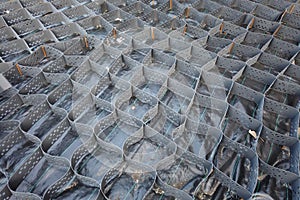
{"x": 260, "y": 178}
{"x": 253, "y": 133}
{"x": 158, "y": 191}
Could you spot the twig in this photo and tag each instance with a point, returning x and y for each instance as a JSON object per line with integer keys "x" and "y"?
{"x": 152, "y": 33}
{"x": 231, "y": 47}
{"x": 284, "y": 14}
{"x": 19, "y": 69}
{"x": 86, "y": 42}
{"x": 276, "y": 31}
{"x": 292, "y": 8}
{"x": 44, "y": 51}
{"x": 221, "y": 28}
{"x": 114, "y": 33}
{"x": 187, "y": 12}
{"x": 184, "y": 30}
{"x": 251, "y": 23}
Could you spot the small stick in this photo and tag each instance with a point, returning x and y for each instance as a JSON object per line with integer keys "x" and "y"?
{"x": 19, "y": 69}
{"x": 221, "y": 28}
{"x": 171, "y": 4}
{"x": 231, "y": 47}
{"x": 115, "y": 33}
{"x": 251, "y": 23}
{"x": 187, "y": 12}
{"x": 86, "y": 42}
{"x": 44, "y": 51}
{"x": 152, "y": 33}
{"x": 292, "y": 8}
{"x": 276, "y": 31}
{"x": 184, "y": 30}
{"x": 284, "y": 14}
{"x": 172, "y": 23}
{"x": 155, "y": 16}
{"x": 262, "y": 139}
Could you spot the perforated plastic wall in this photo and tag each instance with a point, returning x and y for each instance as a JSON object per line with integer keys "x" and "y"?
{"x": 150, "y": 99}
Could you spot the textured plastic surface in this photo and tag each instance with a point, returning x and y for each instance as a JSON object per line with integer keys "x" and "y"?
{"x": 151, "y": 99}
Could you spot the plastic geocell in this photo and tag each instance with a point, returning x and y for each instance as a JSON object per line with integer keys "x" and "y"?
{"x": 150, "y": 99}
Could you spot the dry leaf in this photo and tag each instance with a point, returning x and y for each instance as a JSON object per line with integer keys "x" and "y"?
{"x": 260, "y": 178}
{"x": 285, "y": 148}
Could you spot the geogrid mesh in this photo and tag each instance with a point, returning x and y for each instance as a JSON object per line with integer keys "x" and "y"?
{"x": 150, "y": 99}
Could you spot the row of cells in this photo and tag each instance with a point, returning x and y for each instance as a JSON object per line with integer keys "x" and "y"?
{"x": 191, "y": 159}
{"x": 63, "y": 22}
